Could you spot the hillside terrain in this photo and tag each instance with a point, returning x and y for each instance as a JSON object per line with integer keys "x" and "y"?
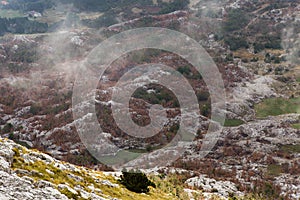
{"x": 27, "y": 174}
{"x": 255, "y": 45}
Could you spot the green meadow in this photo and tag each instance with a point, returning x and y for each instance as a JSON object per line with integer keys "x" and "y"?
{"x": 277, "y": 106}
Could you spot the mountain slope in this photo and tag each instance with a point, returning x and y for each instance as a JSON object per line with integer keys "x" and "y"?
{"x": 29, "y": 174}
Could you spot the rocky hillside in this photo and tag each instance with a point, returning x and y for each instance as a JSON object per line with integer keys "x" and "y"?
{"x": 29, "y": 174}
{"x": 255, "y": 45}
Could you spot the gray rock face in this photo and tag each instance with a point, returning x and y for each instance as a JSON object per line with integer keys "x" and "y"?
{"x": 4, "y": 165}
{"x": 14, "y": 187}
{"x": 286, "y": 186}
{"x": 246, "y": 94}
{"x": 223, "y": 188}
{"x": 3, "y": 197}
{"x": 17, "y": 183}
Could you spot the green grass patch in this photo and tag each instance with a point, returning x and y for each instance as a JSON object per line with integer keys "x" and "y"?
{"x": 296, "y": 126}
{"x": 298, "y": 79}
{"x": 228, "y": 122}
{"x": 4, "y": 13}
{"x": 289, "y": 148}
{"x": 39, "y": 169}
{"x": 121, "y": 156}
{"x": 277, "y": 106}
{"x": 274, "y": 170}
{"x": 233, "y": 122}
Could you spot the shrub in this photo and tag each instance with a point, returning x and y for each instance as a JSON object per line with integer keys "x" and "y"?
{"x": 136, "y": 181}
{"x": 229, "y": 57}
{"x": 105, "y": 20}
{"x": 29, "y": 5}
{"x": 236, "y": 20}
{"x": 258, "y": 47}
{"x": 7, "y": 128}
{"x": 236, "y": 42}
{"x": 26, "y": 53}
{"x": 168, "y": 7}
{"x": 277, "y": 60}
{"x": 255, "y": 59}
{"x": 35, "y": 109}
{"x": 267, "y": 58}
{"x": 214, "y": 190}
{"x": 185, "y": 70}
{"x": 206, "y": 110}
{"x": 203, "y": 96}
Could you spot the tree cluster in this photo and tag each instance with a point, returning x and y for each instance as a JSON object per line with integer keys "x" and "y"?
{"x": 21, "y": 25}
{"x": 30, "y": 5}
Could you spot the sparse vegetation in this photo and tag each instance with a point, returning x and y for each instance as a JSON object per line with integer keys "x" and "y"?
{"x": 236, "y": 20}
{"x": 168, "y": 7}
{"x": 233, "y": 122}
{"x": 39, "y": 170}
{"x": 161, "y": 95}
{"x": 277, "y": 106}
{"x": 21, "y": 25}
{"x": 243, "y": 42}
{"x": 121, "y": 156}
{"x": 102, "y": 21}
{"x": 236, "y": 42}
{"x": 29, "y": 5}
{"x": 6, "y": 13}
{"x": 274, "y": 170}
{"x": 290, "y": 148}
{"x": 296, "y": 126}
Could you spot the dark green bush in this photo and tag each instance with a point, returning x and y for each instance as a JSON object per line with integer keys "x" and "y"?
{"x": 203, "y": 96}
{"x": 35, "y": 109}
{"x": 29, "y": 5}
{"x": 136, "y": 181}
{"x": 185, "y": 70}
{"x": 236, "y": 42}
{"x": 236, "y": 20}
{"x": 161, "y": 96}
{"x": 7, "y": 128}
{"x": 255, "y": 59}
{"x": 21, "y": 25}
{"x": 258, "y": 47}
{"x": 229, "y": 57}
{"x": 173, "y": 6}
{"x": 205, "y": 110}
